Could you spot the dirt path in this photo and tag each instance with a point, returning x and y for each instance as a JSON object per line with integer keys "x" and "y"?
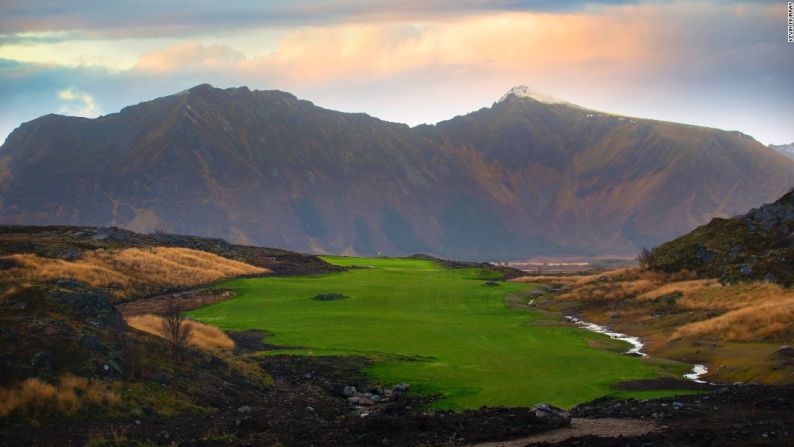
{"x": 606, "y": 428}
{"x": 186, "y": 300}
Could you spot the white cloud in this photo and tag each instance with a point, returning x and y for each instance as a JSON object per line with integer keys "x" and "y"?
{"x": 77, "y": 103}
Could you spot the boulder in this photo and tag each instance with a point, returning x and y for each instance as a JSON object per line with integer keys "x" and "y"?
{"x": 551, "y": 416}
{"x": 349, "y": 391}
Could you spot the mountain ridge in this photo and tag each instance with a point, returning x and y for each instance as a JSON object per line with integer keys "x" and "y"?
{"x": 262, "y": 166}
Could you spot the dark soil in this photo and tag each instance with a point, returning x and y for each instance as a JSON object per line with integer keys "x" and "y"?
{"x": 329, "y": 297}
{"x": 665, "y": 384}
{"x": 249, "y": 341}
{"x": 186, "y": 300}
{"x": 304, "y": 406}
{"x": 741, "y": 415}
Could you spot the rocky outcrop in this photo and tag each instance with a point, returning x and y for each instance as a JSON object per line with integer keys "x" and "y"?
{"x": 758, "y": 245}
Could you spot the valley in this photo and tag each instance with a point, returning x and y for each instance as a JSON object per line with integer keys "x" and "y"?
{"x": 297, "y": 349}
{"x": 460, "y": 333}
{"x": 367, "y": 223}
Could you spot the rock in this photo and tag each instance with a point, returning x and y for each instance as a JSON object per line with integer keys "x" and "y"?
{"x": 42, "y": 362}
{"x": 551, "y": 416}
{"x": 353, "y": 400}
{"x": 90, "y": 341}
{"x": 349, "y": 391}
{"x": 375, "y": 398}
{"x": 678, "y": 405}
{"x": 365, "y": 402}
{"x": 244, "y": 409}
{"x": 401, "y": 387}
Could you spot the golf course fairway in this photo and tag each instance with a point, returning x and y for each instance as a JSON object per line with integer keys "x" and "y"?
{"x": 441, "y": 330}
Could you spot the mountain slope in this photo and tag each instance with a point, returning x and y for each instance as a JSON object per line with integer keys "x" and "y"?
{"x": 785, "y": 149}
{"x": 528, "y": 175}
{"x": 756, "y": 246}
{"x": 607, "y": 182}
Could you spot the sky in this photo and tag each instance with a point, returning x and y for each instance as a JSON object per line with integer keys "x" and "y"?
{"x": 716, "y": 63}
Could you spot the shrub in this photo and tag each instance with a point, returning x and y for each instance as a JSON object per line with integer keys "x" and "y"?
{"x": 204, "y": 336}
{"x": 175, "y": 329}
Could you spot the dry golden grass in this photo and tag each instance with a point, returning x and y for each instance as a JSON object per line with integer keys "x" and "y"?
{"x": 743, "y": 312}
{"x": 34, "y": 397}
{"x": 609, "y": 291}
{"x": 686, "y": 288}
{"x": 567, "y": 280}
{"x": 612, "y": 274}
{"x": 35, "y": 268}
{"x": 759, "y": 310}
{"x": 160, "y": 266}
{"x": 203, "y": 336}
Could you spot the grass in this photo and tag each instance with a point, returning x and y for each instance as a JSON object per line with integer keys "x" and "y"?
{"x": 692, "y": 320}
{"x": 126, "y": 268}
{"x": 35, "y": 398}
{"x": 441, "y": 330}
{"x": 202, "y": 336}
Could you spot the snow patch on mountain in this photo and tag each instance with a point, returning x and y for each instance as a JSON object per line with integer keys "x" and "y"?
{"x": 522, "y": 91}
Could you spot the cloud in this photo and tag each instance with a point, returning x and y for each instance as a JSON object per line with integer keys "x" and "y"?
{"x": 190, "y": 56}
{"x": 714, "y": 63}
{"x": 181, "y": 18}
{"x": 77, "y": 103}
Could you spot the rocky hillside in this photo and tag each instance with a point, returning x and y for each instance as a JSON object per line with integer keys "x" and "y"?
{"x": 758, "y": 245}
{"x": 529, "y": 174}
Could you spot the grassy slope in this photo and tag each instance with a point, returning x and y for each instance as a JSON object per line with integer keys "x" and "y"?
{"x": 465, "y": 342}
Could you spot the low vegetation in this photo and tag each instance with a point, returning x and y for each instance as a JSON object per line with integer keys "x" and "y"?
{"x": 35, "y": 398}
{"x": 123, "y": 269}
{"x": 202, "y": 336}
{"x": 678, "y": 315}
{"x": 437, "y": 328}
{"x": 758, "y": 246}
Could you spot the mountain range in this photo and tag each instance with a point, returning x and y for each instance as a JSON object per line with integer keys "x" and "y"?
{"x": 785, "y": 149}
{"x": 529, "y": 175}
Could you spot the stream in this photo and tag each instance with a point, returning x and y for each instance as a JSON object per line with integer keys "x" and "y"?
{"x": 698, "y": 369}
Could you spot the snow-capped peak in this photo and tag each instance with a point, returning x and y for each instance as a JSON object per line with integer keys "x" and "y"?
{"x": 522, "y": 91}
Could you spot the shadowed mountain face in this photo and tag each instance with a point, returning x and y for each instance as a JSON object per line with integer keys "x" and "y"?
{"x": 527, "y": 176}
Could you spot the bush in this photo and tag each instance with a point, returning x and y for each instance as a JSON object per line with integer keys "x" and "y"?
{"x": 203, "y": 336}
{"x": 35, "y": 398}
{"x": 175, "y": 329}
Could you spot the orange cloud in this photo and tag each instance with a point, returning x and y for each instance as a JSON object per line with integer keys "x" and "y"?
{"x": 190, "y": 55}
{"x": 525, "y": 42}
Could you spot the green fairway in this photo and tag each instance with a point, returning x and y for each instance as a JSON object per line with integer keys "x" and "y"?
{"x": 441, "y": 330}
